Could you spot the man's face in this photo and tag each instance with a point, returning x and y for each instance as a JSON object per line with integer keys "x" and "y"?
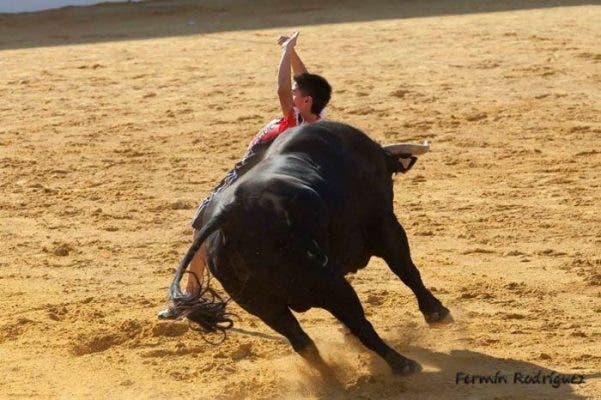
{"x": 300, "y": 101}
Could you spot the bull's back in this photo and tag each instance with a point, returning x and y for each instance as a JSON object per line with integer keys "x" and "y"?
{"x": 348, "y": 172}
{"x": 335, "y": 139}
{"x": 349, "y": 162}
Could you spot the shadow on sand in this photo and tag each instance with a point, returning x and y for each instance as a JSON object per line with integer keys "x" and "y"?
{"x": 443, "y": 377}
{"x": 155, "y": 19}
{"x": 438, "y": 380}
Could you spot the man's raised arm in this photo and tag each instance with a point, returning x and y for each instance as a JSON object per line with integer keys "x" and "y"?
{"x": 298, "y": 67}
{"x": 284, "y": 78}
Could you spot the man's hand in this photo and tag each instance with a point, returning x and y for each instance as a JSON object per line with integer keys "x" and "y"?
{"x": 282, "y": 39}
{"x": 297, "y": 65}
{"x": 288, "y": 43}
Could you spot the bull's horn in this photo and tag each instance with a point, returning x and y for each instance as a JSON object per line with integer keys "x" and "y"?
{"x": 407, "y": 148}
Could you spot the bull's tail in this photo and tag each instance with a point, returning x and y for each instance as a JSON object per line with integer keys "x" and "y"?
{"x": 211, "y": 226}
{"x": 205, "y": 307}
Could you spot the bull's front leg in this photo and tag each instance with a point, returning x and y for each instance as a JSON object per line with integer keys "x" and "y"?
{"x": 393, "y": 246}
{"x": 338, "y": 297}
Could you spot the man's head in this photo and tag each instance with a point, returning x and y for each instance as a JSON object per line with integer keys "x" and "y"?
{"x": 310, "y": 92}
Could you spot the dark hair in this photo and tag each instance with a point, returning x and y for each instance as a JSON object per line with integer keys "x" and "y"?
{"x": 315, "y": 86}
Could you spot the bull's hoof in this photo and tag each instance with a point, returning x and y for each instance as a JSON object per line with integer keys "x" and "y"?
{"x": 313, "y": 358}
{"x": 440, "y": 317}
{"x": 405, "y": 367}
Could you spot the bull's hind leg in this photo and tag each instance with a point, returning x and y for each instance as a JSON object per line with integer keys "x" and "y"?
{"x": 341, "y": 300}
{"x": 394, "y": 248}
{"x": 278, "y": 316}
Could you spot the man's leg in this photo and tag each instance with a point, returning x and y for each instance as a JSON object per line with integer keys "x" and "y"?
{"x": 196, "y": 268}
{"x": 198, "y": 264}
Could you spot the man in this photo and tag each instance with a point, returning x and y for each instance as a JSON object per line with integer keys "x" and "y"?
{"x": 301, "y": 103}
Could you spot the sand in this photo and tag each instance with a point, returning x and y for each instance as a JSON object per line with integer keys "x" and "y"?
{"x": 116, "y": 120}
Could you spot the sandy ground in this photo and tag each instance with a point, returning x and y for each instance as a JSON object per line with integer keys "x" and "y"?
{"x": 116, "y": 120}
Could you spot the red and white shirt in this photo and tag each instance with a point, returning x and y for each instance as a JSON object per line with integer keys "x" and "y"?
{"x": 279, "y": 126}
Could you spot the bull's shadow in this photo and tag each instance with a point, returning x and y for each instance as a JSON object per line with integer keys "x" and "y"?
{"x": 438, "y": 380}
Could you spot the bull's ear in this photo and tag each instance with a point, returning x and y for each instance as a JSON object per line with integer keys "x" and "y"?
{"x": 401, "y": 164}
{"x": 402, "y": 156}
{"x": 406, "y": 163}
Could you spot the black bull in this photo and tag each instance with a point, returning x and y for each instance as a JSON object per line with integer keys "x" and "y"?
{"x": 317, "y": 206}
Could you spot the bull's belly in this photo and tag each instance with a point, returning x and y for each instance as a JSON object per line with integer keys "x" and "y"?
{"x": 245, "y": 276}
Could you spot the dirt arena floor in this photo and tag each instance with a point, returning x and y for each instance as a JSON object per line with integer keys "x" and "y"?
{"x": 116, "y": 120}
